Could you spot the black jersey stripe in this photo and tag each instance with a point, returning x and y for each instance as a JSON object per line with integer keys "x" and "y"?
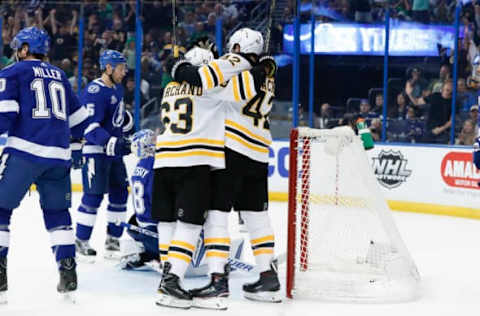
{"x": 264, "y": 245}
{"x": 218, "y": 247}
{"x": 245, "y": 137}
{"x": 181, "y": 250}
{"x": 214, "y": 75}
{"x": 241, "y": 87}
{"x": 190, "y": 147}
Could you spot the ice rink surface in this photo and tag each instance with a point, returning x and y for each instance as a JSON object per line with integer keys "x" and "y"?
{"x": 445, "y": 249}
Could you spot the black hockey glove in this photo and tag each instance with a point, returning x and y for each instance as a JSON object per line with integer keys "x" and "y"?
{"x": 77, "y": 157}
{"x": 269, "y": 63}
{"x": 117, "y": 147}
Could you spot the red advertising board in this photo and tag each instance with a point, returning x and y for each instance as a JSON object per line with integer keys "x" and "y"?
{"x": 459, "y": 171}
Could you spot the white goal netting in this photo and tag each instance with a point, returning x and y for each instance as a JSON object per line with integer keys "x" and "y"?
{"x": 343, "y": 242}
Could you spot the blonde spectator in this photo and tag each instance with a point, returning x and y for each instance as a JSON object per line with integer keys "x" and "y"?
{"x": 468, "y": 134}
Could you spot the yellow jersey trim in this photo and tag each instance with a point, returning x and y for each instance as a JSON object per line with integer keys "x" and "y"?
{"x": 248, "y": 132}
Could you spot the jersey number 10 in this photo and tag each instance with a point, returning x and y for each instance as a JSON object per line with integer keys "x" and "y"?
{"x": 57, "y": 99}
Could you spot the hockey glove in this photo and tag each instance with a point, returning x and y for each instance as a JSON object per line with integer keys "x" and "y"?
{"x": 269, "y": 63}
{"x": 117, "y": 147}
{"x": 77, "y": 157}
{"x": 476, "y": 153}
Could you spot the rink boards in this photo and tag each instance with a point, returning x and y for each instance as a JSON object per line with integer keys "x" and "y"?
{"x": 416, "y": 178}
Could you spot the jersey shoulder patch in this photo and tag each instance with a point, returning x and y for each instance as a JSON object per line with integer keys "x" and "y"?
{"x": 93, "y": 88}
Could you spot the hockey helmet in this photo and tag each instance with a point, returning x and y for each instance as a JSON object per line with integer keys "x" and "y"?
{"x": 38, "y": 40}
{"x": 250, "y": 41}
{"x": 143, "y": 143}
{"x": 111, "y": 57}
{"x": 199, "y": 56}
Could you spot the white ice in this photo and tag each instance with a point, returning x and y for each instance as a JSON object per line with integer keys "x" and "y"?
{"x": 446, "y": 251}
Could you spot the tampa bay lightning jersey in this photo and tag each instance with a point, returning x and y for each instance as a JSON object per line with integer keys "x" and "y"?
{"x": 107, "y": 115}
{"x": 39, "y": 111}
{"x": 141, "y": 184}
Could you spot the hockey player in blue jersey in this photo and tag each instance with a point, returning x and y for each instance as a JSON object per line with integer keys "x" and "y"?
{"x": 143, "y": 146}
{"x": 40, "y": 113}
{"x": 104, "y": 170}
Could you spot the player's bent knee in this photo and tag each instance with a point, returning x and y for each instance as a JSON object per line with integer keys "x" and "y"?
{"x": 92, "y": 200}
{"x": 216, "y": 219}
{"x": 56, "y": 218}
{"x": 5, "y": 215}
{"x": 256, "y": 220}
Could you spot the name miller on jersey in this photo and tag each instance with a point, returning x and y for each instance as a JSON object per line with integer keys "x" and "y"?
{"x": 47, "y": 73}
{"x": 174, "y": 89}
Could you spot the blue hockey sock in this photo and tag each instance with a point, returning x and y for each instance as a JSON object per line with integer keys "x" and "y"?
{"x": 59, "y": 225}
{"x": 5, "y": 215}
{"x": 87, "y": 215}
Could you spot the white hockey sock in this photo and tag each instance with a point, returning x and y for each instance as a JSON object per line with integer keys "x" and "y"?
{"x": 261, "y": 237}
{"x": 217, "y": 240}
{"x": 165, "y": 233}
{"x": 182, "y": 247}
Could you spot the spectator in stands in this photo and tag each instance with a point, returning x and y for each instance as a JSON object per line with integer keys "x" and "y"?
{"x": 129, "y": 53}
{"x": 473, "y": 114}
{"x": 444, "y": 74}
{"x": 468, "y": 134}
{"x": 365, "y": 111}
{"x": 74, "y": 80}
{"x": 64, "y": 42}
{"x": 376, "y": 129}
{"x": 415, "y": 127}
{"x": 464, "y": 96}
{"x": 399, "y": 109}
{"x": 326, "y": 119}
{"x": 129, "y": 97}
{"x": 439, "y": 115}
{"x": 416, "y": 82}
{"x": 188, "y": 24}
{"x": 378, "y": 104}
{"x": 211, "y": 23}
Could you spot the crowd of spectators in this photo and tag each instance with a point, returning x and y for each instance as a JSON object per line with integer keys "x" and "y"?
{"x": 111, "y": 25}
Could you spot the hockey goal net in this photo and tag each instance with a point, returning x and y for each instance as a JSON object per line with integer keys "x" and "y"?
{"x": 342, "y": 241}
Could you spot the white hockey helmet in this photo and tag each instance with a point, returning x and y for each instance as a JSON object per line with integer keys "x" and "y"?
{"x": 250, "y": 41}
{"x": 199, "y": 56}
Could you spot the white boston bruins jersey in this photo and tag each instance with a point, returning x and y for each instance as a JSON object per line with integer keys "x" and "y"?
{"x": 219, "y": 71}
{"x": 194, "y": 128}
{"x": 247, "y": 123}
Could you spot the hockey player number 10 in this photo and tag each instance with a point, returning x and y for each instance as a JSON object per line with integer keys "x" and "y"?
{"x": 57, "y": 98}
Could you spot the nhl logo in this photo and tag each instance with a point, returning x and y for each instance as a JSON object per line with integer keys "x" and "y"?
{"x": 391, "y": 168}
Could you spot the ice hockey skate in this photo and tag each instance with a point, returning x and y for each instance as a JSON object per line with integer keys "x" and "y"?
{"x": 84, "y": 252}
{"x": 3, "y": 280}
{"x": 170, "y": 293}
{"x": 215, "y": 294}
{"x": 139, "y": 262}
{"x": 68, "y": 279}
{"x": 112, "y": 248}
{"x": 266, "y": 289}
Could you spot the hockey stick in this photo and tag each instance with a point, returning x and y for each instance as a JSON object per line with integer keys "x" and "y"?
{"x": 269, "y": 25}
{"x": 234, "y": 263}
{"x": 174, "y": 28}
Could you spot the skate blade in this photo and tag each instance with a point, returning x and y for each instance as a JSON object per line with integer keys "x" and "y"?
{"x": 269, "y": 297}
{"x": 3, "y": 297}
{"x": 170, "y": 301}
{"x": 69, "y": 297}
{"x": 216, "y": 303}
{"x": 85, "y": 259}
{"x": 112, "y": 255}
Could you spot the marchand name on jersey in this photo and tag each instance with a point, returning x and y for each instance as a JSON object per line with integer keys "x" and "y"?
{"x": 175, "y": 89}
